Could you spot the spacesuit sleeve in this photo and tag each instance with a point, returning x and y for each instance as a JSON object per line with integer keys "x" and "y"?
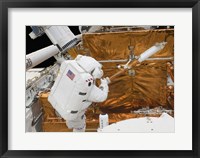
{"x": 98, "y": 94}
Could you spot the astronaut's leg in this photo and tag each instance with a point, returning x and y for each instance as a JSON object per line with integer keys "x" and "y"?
{"x": 78, "y": 124}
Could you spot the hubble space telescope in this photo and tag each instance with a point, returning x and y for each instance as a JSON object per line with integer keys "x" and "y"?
{"x": 81, "y": 84}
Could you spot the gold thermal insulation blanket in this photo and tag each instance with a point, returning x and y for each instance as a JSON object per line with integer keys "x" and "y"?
{"x": 115, "y": 45}
{"x": 146, "y": 88}
{"x": 52, "y": 123}
{"x": 141, "y": 86}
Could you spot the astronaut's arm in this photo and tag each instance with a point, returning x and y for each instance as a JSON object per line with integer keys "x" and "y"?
{"x": 99, "y": 94}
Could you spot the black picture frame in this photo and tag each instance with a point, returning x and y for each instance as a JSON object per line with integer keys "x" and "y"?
{"x": 6, "y": 4}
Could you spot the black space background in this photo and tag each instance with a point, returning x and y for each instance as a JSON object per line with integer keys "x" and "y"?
{"x": 42, "y": 42}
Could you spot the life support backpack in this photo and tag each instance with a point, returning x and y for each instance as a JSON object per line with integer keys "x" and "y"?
{"x": 71, "y": 88}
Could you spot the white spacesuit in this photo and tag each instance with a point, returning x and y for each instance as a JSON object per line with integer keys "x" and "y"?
{"x": 75, "y": 90}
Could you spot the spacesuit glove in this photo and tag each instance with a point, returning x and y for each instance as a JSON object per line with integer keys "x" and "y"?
{"x": 105, "y": 81}
{"x": 104, "y": 85}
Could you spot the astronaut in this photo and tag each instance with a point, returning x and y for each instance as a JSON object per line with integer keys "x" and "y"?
{"x": 74, "y": 90}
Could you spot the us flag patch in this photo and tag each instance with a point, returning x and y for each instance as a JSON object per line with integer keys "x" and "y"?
{"x": 70, "y": 74}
